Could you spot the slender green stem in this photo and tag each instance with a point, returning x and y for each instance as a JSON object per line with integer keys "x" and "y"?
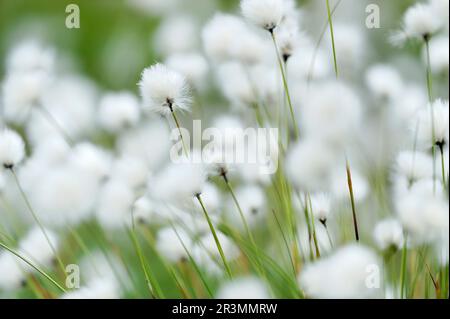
{"x": 330, "y": 23}
{"x": 403, "y": 271}
{"x": 444, "y": 177}
{"x": 216, "y": 238}
{"x": 313, "y": 225}
{"x": 48, "y": 277}
{"x": 430, "y": 100}
{"x": 285, "y": 84}
{"x": 36, "y": 219}
{"x": 177, "y": 123}
{"x": 352, "y": 199}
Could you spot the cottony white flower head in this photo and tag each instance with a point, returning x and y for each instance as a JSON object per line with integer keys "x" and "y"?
{"x": 414, "y": 166}
{"x": 30, "y": 55}
{"x": 164, "y": 90}
{"x": 118, "y": 111}
{"x": 244, "y": 288}
{"x": 252, "y": 201}
{"x": 178, "y": 33}
{"x": 105, "y": 266}
{"x": 235, "y": 84}
{"x": 211, "y": 197}
{"x": 220, "y": 34}
{"x": 338, "y": 110}
{"x": 420, "y": 21}
{"x": 266, "y": 14}
{"x": 439, "y": 123}
{"x": 343, "y": 275}
{"x": 61, "y": 195}
{"x": 307, "y": 62}
{"x": 388, "y": 234}
{"x": 384, "y": 82}
{"x": 115, "y": 205}
{"x": 289, "y": 38}
{"x": 423, "y": 215}
{"x": 12, "y": 149}
{"x": 192, "y": 65}
{"x": 249, "y": 48}
{"x": 439, "y": 54}
{"x": 441, "y": 11}
{"x": 91, "y": 159}
{"x": 21, "y": 91}
{"x": 178, "y": 183}
{"x": 12, "y": 276}
{"x": 149, "y": 142}
{"x": 207, "y": 255}
{"x": 131, "y": 170}
{"x": 321, "y": 206}
{"x": 173, "y": 244}
{"x": 36, "y": 248}
{"x": 352, "y": 46}
{"x": 309, "y": 164}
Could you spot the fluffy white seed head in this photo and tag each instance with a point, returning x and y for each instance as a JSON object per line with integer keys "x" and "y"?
{"x": 164, "y": 90}
{"x": 118, "y": 111}
{"x": 173, "y": 243}
{"x": 342, "y": 275}
{"x": 266, "y": 14}
{"x": 433, "y": 125}
{"x": 420, "y": 21}
{"x": 192, "y": 65}
{"x": 384, "y": 82}
{"x": 388, "y": 233}
{"x": 30, "y": 55}
{"x": 36, "y": 248}
{"x": 12, "y": 149}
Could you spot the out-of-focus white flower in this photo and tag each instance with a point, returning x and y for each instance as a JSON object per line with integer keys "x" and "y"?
{"x": 11, "y": 274}
{"x": 308, "y": 165}
{"x": 178, "y": 183}
{"x": 118, "y": 111}
{"x": 321, "y": 206}
{"x": 423, "y": 215}
{"x": 345, "y": 274}
{"x": 306, "y": 243}
{"x": 266, "y": 14}
{"x": 352, "y": 45}
{"x": 339, "y": 184}
{"x": 332, "y": 112}
{"x": 178, "y": 33}
{"x": 115, "y": 204}
{"x": 192, "y": 65}
{"x": 384, "y": 81}
{"x": 414, "y": 166}
{"x": 173, "y": 244}
{"x": 96, "y": 289}
{"x": 420, "y": 21}
{"x": 211, "y": 197}
{"x": 235, "y": 83}
{"x": 21, "y": 91}
{"x": 441, "y": 9}
{"x": 388, "y": 233}
{"x": 164, "y": 90}
{"x": 252, "y": 201}
{"x": 149, "y": 142}
{"x": 244, "y": 288}
{"x": 91, "y": 159}
{"x": 30, "y": 55}
{"x": 131, "y": 170}
{"x": 307, "y": 62}
{"x": 36, "y": 248}
{"x": 12, "y": 149}
{"x": 438, "y": 122}
{"x": 439, "y": 54}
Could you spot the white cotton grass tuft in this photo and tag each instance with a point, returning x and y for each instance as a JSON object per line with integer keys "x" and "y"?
{"x": 420, "y": 21}
{"x": 193, "y": 66}
{"x": 252, "y": 201}
{"x": 174, "y": 244}
{"x": 309, "y": 164}
{"x": 163, "y": 90}
{"x": 30, "y": 55}
{"x": 12, "y": 276}
{"x": 12, "y": 149}
{"x": 21, "y": 92}
{"x": 306, "y": 245}
{"x": 384, "y": 82}
{"x": 439, "y": 54}
{"x": 244, "y": 288}
{"x": 118, "y": 111}
{"x": 266, "y": 14}
{"x": 344, "y": 274}
{"x": 321, "y": 206}
{"x": 131, "y": 170}
{"x": 115, "y": 204}
{"x": 178, "y": 183}
{"x": 413, "y": 166}
{"x": 438, "y": 122}
{"x": 212, "y": 199}
{"x": 388, "y": 234}
{"x": 96, "y": 289}
{"x": 91, "y": 159}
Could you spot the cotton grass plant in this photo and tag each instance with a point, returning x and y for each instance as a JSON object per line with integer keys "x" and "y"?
{"x": 110, "y": 183}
